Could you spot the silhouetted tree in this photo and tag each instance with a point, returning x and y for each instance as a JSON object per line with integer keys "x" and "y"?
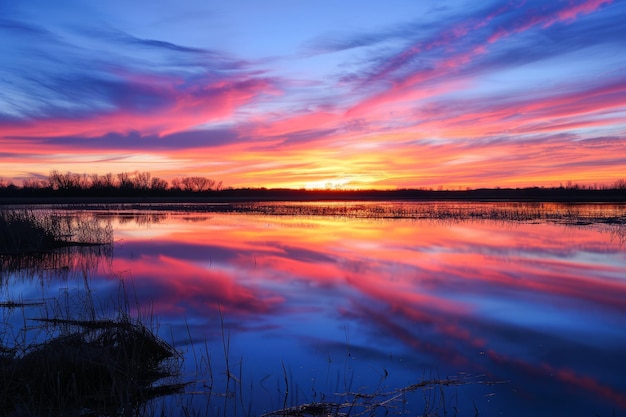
{"x": 141, "y": 180}
{"x": 35, "y": 183}
{"x": 197, "y": 184}
{"x": 158, "y": 184}
{"x": 176, "y": 183}
{"x": 125, "y": 182}
{"x": 68, "y": 181}
{"x": 103, "y": 182}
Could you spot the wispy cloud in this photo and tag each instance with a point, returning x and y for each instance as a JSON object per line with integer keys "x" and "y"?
{"x": 121, "y": 89}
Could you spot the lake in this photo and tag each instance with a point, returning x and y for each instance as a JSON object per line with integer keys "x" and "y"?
{"x": 404, "y": 308}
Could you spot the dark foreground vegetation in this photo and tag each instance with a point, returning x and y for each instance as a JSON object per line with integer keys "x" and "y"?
{"x": 79, "y": 366}
{"x": 142, "y": 186}
{"x": 22, "y": 232}
{"x": 99, "y": 367}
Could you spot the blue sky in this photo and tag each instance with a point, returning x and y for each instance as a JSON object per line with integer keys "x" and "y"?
{"x": 306, "y": 94}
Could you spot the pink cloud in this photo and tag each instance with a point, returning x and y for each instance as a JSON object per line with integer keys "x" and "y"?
{"x": 171, "y": 107}
{"x": 566, "y": 14}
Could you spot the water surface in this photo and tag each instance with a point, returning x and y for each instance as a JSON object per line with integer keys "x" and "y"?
{"x": 288, "y": 309}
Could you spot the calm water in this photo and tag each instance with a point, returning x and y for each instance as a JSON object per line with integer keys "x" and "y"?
{"x": 529, "y": 315}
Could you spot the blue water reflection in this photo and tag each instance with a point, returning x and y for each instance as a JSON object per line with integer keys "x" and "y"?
{"x": 312, "y": 306}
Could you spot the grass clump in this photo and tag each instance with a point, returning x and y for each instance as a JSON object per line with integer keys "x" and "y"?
{"x": 23, "y": 232}
{"x": 36, "y": 242}
{"x": 101, "y": 367}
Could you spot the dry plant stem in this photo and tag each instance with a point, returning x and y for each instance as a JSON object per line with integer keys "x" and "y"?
{"x": 361, "y": 404}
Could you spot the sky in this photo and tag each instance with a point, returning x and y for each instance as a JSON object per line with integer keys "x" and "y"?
{"x": 317, "y": 94}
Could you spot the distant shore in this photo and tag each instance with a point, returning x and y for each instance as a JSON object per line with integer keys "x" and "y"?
{"x": 536, "y": 194}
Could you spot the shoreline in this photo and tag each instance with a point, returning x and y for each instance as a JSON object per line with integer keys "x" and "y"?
{"x": 535, "y": 194}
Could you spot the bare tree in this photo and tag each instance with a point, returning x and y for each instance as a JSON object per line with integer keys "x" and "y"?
{"x": 125, "y": 181}
{"x": 188, "y": 184}
{"x": 202, "y": 183}
{"x": 141, "y": 180}
{"x": 70, "y": 182}
{"x": 158, "y": 184}
{"x": 620, "y": 184}
{"x": 197, "y": 184}
{"x": 67, "y": 181}
{"x": 176, "y": 183}
{"x": 35, "y": 183}
{"x": 5, "y": 183}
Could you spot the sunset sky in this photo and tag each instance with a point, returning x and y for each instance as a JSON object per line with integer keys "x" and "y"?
{"x": 288, "y": 93}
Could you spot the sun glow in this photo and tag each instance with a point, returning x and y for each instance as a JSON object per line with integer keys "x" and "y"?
{"x": 329, "y": 184}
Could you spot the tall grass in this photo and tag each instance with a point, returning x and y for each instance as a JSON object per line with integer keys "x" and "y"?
{"x": 44, "y": 243}
{"x": 23, "y": 232}
{"x": 500, "y": 211}
{"x": 26, "y": 231}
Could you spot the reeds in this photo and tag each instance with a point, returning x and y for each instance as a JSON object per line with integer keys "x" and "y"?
{"x": 575, "y": 214}
{"x": 25, "y": 231}
{"x": 42, "y": 243}
{"x": 110, "y": 367}
{"x": 22, "y": 232}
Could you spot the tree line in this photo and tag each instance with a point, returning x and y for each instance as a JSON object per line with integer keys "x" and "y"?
{"x": 140, "y": 184}
{"x": 123, "y": 183}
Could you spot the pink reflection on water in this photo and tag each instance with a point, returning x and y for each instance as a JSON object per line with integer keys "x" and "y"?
{"x": 177, "y": 287}
{"x": 565, "y": 375}
{"x": 443, "y": 291}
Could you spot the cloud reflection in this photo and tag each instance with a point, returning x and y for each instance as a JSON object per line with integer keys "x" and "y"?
{"x": 513, "y": 301}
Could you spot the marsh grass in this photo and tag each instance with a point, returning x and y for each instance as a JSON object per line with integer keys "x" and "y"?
{"x": 46, "y": 243}
{"x": 506, "y": 211}
{"x": 222, "y": 387}
{"x": 24, "y": 232}
{"x": 576, "y": 214}
{"x": 61, "y": 363}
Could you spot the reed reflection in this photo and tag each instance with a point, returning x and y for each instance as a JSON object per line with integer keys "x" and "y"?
{"x": 49, "y": 248}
